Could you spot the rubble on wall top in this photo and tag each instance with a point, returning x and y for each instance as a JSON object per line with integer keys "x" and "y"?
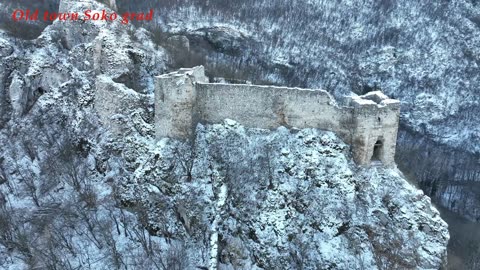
{"x": 375, "y": 98}
{"x": 180, "y": 72}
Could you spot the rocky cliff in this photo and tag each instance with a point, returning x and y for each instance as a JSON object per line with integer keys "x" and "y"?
{"x": 76, "y": 194}
{"x": 284, "y": 199}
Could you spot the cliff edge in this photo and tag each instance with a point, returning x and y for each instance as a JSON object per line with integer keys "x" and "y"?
{"x": 285, "y": 199}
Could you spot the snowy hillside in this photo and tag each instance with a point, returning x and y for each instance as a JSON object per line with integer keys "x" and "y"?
{"x": 75, "y": 194}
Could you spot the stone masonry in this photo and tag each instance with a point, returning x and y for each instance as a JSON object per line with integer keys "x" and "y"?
{"x": 184, "y": 98}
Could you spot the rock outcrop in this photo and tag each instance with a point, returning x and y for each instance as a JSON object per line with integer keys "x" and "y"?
{"x": 285, "y": 200}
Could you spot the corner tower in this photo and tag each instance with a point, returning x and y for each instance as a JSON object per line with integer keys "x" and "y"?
{"x": 376, "y": 119}
{"x": 175, "y": 97}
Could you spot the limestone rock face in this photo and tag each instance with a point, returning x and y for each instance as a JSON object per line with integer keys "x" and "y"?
{"x": 5, "y": 51}
{"x": 17, "y": 96}
{"x": 286, "y": 200}
{"x": 88, "y": 49}
{"x": 224, "y": 38}
{"x": 113, "y": 100}
{"x": 5, "y": 48}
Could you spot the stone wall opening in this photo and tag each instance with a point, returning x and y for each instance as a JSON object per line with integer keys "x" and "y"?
{"x": 377, "y": 151}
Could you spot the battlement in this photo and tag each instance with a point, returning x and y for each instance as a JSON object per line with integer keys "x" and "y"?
{"x": 184, "y": 98}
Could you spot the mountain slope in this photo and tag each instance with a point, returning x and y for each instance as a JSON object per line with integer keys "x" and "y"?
{"x": 77, "y": 191}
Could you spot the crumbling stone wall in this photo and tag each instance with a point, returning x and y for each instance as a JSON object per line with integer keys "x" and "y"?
{"x": 268, "y": 106}
{"x": 113, "y": 100}
{"x": 184, "y": 98}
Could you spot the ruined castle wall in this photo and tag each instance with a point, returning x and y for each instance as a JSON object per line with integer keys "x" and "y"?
{"x": 270, "y": 107}
{"x": 114, "y": 100}
{"x": 175, "y": 100}
{"x": 184, "y": 98}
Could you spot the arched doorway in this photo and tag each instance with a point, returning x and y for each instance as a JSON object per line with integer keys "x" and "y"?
{"x": 377, "y": 151}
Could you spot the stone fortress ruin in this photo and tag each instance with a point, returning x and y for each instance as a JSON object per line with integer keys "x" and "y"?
{"x": 369, "y": 123}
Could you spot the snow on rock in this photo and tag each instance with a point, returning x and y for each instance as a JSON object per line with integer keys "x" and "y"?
{"x": 294, "y": 199}
{"x": 59, "y": 164}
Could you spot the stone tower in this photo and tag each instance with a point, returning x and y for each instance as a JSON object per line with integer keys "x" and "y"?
{"x": 375, "y": 118}
{"x": 175, "y": 98}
